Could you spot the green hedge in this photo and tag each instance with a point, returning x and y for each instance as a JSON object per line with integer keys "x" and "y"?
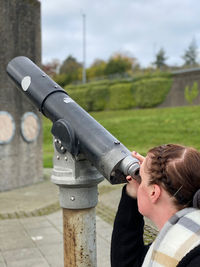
{"x": 151, "y": 92}
{"x": 142, "y": 93}
{"x": 91, "y": 98}
{"x": 120, "y": 97}
{"x": 81, "y": 97}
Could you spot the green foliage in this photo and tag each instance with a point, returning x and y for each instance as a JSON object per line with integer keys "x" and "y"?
{"x": 151, "y": 92}
{"x": 120, "y": 97}
{"x": 121, "y": 94}
{"x": 97, "y": 69}
{"x": 98, "y": 98}
{"x": 81, "y": 97}
{"x": 69, "y": 71}
{"x": 60, "y": 79}
{"x": 90, "y": 98}
{"x": 160, "y": 61}
{"x": 70, "y": 65}
{"x": 191, "y": 54}
{"x": 191, "y": 94}
{"x": 118, "y": 63}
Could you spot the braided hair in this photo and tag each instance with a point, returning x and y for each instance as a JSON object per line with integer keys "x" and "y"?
{"x": 177, "y": 169}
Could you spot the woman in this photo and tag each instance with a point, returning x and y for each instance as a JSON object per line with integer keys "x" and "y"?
{"x": 169, "y": 195}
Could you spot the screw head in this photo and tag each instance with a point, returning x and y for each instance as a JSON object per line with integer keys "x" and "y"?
{"x": 58, "y": 157}
{"x": 66, "y": 158}
{"x": 72, "y": 198}
{"x": 55, "y": 86}
{"x": 43, "y": 75}
{"x": 116, "y": 142}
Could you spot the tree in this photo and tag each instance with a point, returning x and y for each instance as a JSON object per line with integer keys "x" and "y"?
{"x": 160, "y": 61}
{"x": 120, "y": 63}
{"x": 97, "y": 69}
{"x": 70, "y": 65}
{"x": 69, "y": 71}
{"x": 191, "y": 54}
{"x": 51, "y": 68}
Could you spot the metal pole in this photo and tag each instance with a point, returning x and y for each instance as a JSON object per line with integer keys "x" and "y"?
{"x": 79, "y": 233}
{"x": 84, "y": 49}
{"x": 77, "y": 180}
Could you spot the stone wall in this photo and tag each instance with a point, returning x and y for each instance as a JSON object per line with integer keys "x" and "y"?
{"x": 181, "y": 79}
{"x": 20, "y": 122}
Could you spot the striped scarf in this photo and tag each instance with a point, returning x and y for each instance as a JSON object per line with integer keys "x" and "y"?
{"x": 178, "y": 236}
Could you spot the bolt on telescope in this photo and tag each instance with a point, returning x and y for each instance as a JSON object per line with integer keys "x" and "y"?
{"x": 78, "y": 132}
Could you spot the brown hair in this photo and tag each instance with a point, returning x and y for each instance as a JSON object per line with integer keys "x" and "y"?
{"x": 177, "y": 169}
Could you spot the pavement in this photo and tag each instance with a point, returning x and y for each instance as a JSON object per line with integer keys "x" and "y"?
{"x": 31, "y": 229}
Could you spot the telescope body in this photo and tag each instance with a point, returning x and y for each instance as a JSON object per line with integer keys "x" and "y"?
{"x": 72, "y": 125}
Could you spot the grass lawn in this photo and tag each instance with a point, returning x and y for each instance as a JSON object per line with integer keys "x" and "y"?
{"x": 141, "y": 129}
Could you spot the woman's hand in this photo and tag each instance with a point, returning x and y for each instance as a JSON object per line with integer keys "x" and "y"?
{"x": 132, "y": 185}
{"x": 138, "y": 156}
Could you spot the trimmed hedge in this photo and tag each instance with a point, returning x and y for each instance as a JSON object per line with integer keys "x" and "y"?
{"x": 91, "y": 98}
{"x": 120, "y": 97}
{"x": 141, "y": 93}
{"x": 80, "y": 96}
{"x": 151, "y": 92}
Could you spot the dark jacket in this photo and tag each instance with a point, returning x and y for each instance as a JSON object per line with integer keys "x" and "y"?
{"x": 127, "y": 245}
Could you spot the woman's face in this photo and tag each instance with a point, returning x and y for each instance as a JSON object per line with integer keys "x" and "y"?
{"x": 144, "y": 203}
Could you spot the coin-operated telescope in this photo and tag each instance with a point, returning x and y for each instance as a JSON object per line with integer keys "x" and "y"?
{"x": 76, "y": 130}
{"x": 84, "y": 151}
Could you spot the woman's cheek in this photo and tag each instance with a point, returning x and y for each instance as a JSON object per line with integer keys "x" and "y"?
{"x": 142, "y": 201}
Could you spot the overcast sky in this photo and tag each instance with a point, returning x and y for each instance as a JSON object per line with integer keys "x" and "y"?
{"x": 139, "y": 27}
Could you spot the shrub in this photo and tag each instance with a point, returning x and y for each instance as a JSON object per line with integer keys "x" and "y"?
{"x": 80, "y": 97}
{"x": 98, "y": 98}
{"x": 151, "y": 92}
{"x": 120, "y": 97}
{"x": 191, "y": 94}
{"x": 120, "y": 94}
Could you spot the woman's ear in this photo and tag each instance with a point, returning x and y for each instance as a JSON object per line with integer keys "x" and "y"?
{"x": 154, "y": 193}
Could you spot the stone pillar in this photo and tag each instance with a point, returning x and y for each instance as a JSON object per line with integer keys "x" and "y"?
{"x": 20, "y": 123}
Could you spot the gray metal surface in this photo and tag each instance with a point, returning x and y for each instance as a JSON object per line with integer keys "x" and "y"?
{"x": 77, "y": 179}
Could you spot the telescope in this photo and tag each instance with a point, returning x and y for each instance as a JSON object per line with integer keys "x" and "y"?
{"x": 74, "y": 129}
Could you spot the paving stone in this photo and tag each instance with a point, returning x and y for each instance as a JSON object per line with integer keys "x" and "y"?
{"x": 1, "y": 259}
{"x": 52, "y": 249}
{"x": 11, "y": 225}
{"x": 47, "y": 239}
{"x": 44, "y": 231}
{"x": 21, "y": 254}
{"x": 35, "y": 222}
{"x": 53, "y": 254}
{"x": 104, "y": 230}
{"x": 55, "y": 217}
{"x": 55, "y": 261}
{"x": 29, "y": 263}
{"x": 103, "y": 252}
{"x": 15, "y": 240}
{"x": 2, "y": 264}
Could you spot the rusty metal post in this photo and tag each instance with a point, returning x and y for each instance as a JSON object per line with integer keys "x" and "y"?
{"x": 79, "y": 233}
{"x": 77, "y": 179}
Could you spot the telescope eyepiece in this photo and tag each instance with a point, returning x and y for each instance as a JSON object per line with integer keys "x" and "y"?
{"x": 130, "y": 166}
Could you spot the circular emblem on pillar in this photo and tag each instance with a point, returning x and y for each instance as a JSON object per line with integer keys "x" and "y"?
{"x": 7, "y": 127}
{"x": 30, "y": 127}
